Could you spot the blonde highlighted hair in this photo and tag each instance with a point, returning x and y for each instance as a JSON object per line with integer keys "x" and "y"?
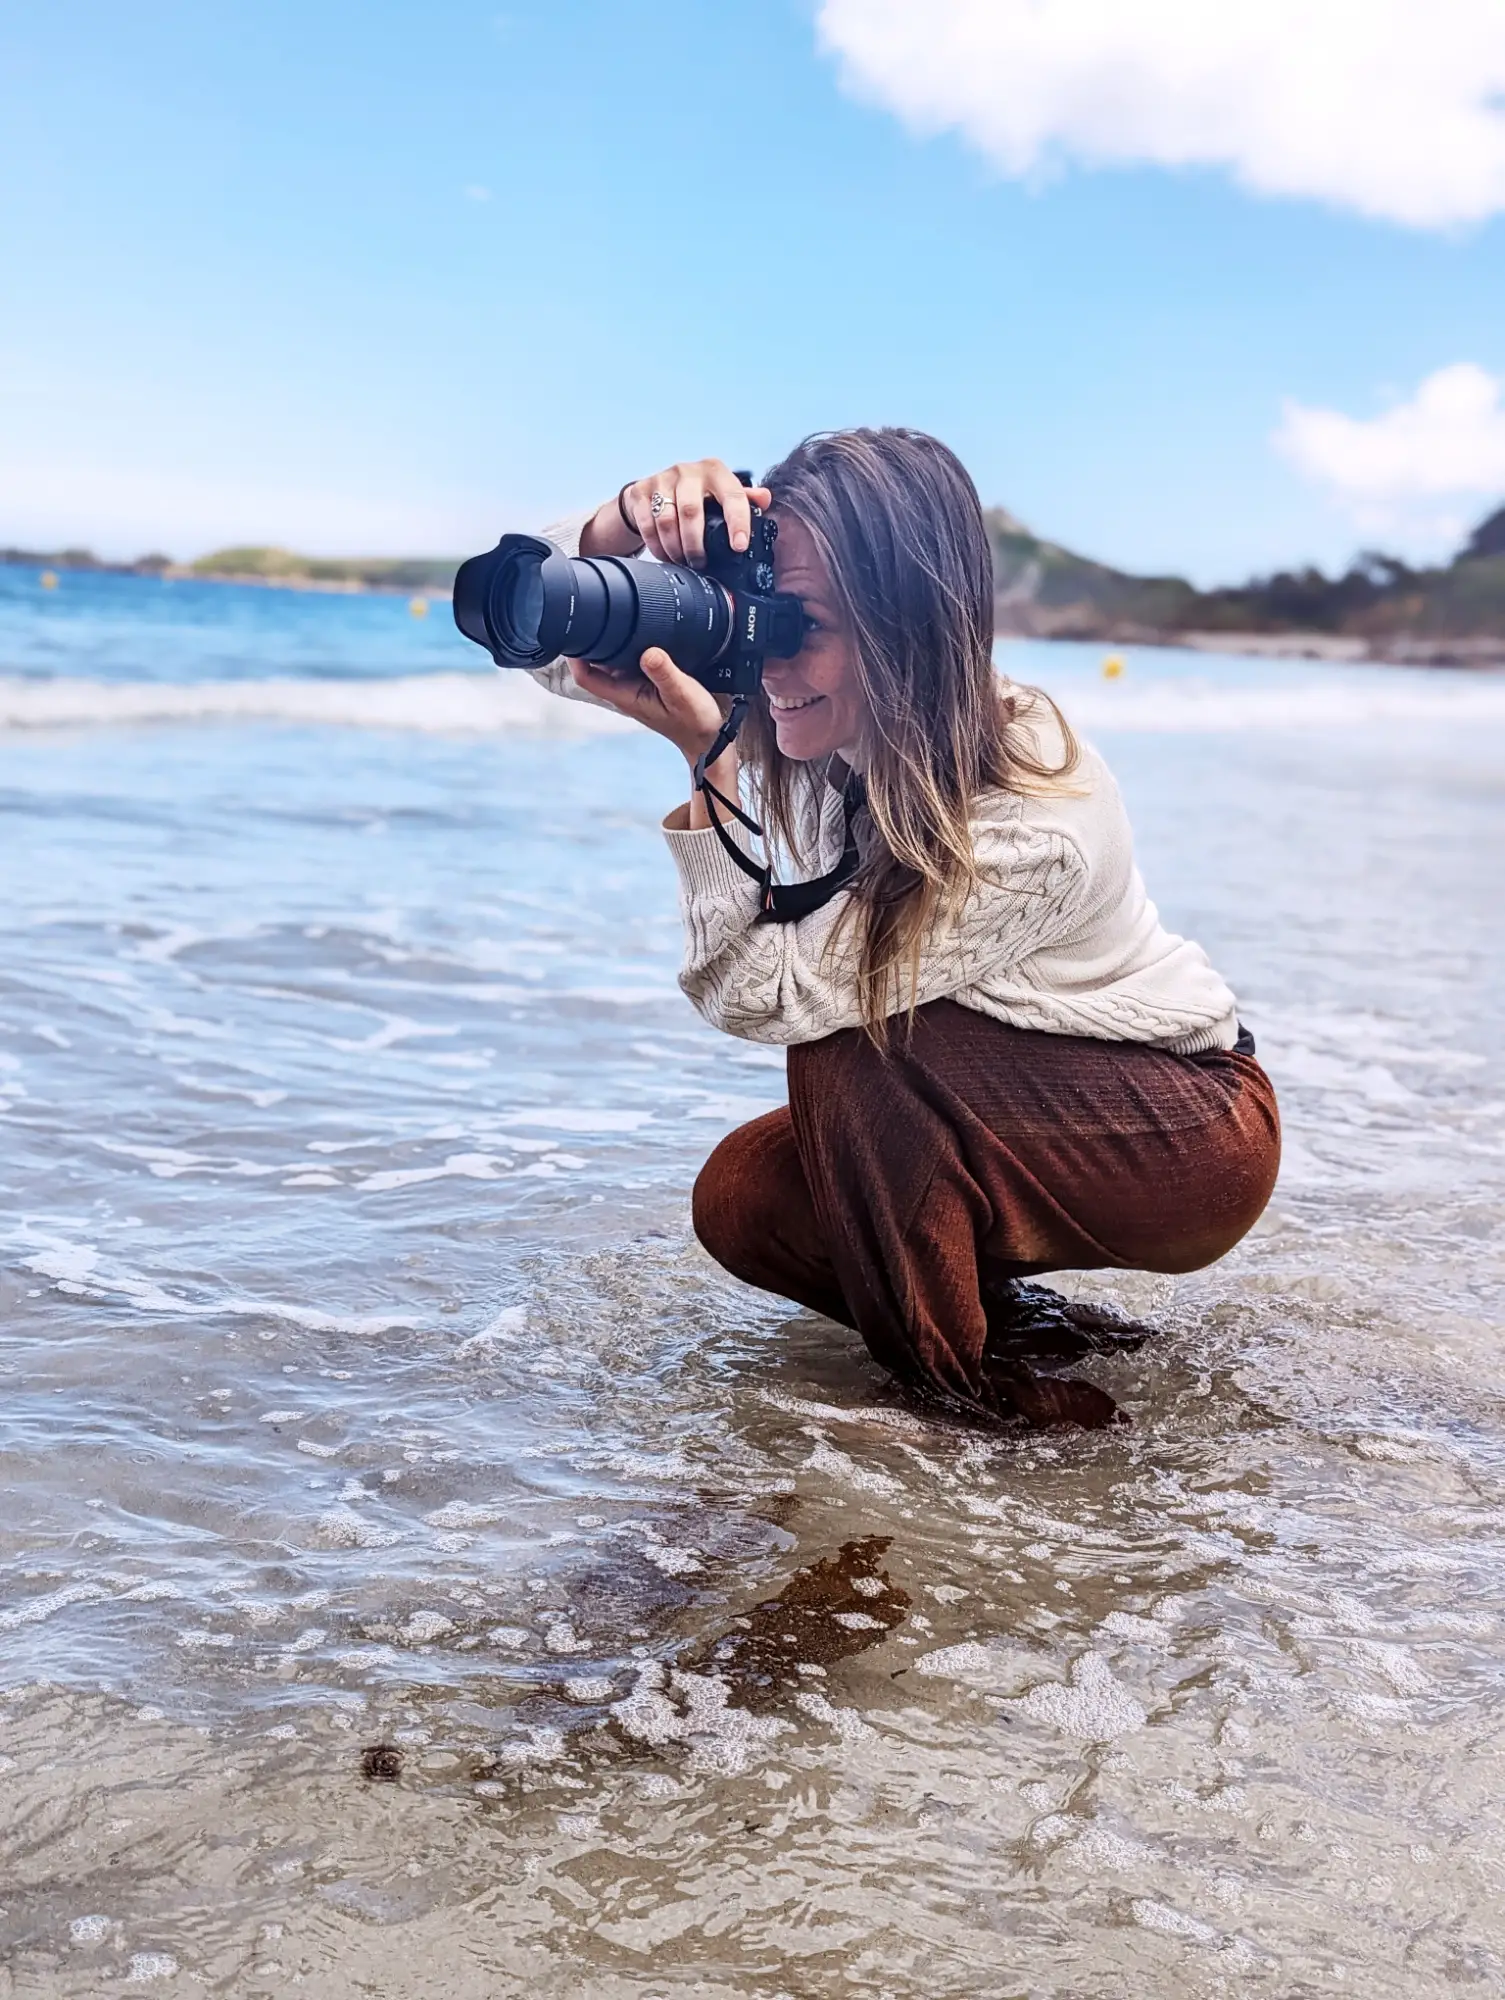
{"x": 898, "y": 526}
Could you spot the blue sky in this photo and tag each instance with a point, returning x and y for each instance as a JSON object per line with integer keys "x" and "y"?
{"x": 385, "y": 277}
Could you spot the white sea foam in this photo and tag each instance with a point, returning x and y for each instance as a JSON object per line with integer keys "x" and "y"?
{"x": 434, "y": 704}
{"x": 1161, "y": 1917}
{"x": 424, "y": 1627}
{"x": 561, "y": 1119}
{"x": 31, "y": 1611}
{"x": 147, "y": 1965}
{"x": 75, "y": 1271}
{"x": 1158, "y": 708}
{"x": 464, "y": 1514}
{"x": 1095, "y": 1707}
{"x": 343, "y": 1528}
{"x": 669, "y": 1707}
{"x": 459, "y": 1166}
{"x": 472, "y": 704}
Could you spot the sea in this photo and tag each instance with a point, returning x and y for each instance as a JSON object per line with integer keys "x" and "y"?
{"x": 422, "y": 1572}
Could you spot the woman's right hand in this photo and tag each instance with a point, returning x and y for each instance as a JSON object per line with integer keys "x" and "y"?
{"x": 660, "y": 696}
{"x": 676, "y": 533}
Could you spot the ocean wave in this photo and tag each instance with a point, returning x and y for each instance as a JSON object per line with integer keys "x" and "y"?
{"x": 513, "y": 705}
{"x": 1171, "y": 707}
{"x": 435, "y": 704}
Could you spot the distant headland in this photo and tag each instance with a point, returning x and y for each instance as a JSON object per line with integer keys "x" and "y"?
{"x": 280, "y": 568}
{"x": 1380, "y": 609}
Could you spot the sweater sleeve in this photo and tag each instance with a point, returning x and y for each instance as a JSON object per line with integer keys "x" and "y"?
{"x": 794, "y": 982}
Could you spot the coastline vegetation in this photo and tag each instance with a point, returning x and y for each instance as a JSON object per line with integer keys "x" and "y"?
{"x": 272, "y": 565}
{"x": 253, "y": 564}
{"x": 1380, "y": 608}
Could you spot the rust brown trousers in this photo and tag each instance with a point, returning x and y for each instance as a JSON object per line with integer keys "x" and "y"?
{"x": 898, "y": 1192}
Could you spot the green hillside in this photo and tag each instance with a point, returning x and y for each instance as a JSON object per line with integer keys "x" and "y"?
{"x": 272, "y": 565}
{"x": 1047, "y": 591}
{"x": 1050, "y": 592}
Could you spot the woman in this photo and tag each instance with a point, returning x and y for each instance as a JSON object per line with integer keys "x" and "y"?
{"x": 999, "y": 1062}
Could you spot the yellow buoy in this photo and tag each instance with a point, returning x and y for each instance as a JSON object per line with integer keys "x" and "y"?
{"x": 1113, "y": 666}
{"x": 419, "y": 606}
{"x": 49, "y": 579}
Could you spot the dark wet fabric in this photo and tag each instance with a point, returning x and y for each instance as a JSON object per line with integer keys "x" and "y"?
{"x": 900, "y": 1192}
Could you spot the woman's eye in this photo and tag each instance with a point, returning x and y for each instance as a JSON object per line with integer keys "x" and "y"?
{"x": 812, "y": 625}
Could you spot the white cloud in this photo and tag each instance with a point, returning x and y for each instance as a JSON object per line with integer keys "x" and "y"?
{"x": 1390, "y": 107}
{"x": 1449, "y": 439}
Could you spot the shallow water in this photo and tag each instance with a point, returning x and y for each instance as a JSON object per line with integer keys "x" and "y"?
{"x": 365, "y": 1391}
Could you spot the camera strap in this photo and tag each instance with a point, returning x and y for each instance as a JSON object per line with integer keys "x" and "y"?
{"x": 783, "y": 902}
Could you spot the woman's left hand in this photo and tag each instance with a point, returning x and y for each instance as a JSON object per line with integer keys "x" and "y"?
{"x": 659, "y": 696}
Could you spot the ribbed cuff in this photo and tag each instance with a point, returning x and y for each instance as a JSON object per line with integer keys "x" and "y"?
{"x": 566, "y": 534}
{"x": 707, "y": 873}
{"x": 1202, "y": 1041}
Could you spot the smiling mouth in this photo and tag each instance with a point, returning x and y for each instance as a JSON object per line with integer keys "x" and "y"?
{"x": 786, "y": 704}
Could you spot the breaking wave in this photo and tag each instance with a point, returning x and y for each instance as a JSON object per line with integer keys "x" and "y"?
{"x": 468, "y": 704}
{"x": 435, "y": 704}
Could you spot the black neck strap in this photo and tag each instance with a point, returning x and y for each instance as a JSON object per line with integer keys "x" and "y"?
{"x": 783, "y": 902}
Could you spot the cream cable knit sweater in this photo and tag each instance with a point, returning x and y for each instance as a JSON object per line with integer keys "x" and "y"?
{"x": 1059, "y": 934}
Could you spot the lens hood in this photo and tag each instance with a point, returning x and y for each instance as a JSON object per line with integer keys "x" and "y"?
{"x": 516, "y": 600}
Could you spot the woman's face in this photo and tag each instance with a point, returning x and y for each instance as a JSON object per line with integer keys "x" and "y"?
{"x": 816, "y": 698}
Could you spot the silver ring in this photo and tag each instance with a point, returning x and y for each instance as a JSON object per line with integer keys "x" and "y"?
{"x": 657, "y": 502}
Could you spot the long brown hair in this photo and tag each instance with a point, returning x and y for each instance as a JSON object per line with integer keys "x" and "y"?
{"x": 898, "y": 526}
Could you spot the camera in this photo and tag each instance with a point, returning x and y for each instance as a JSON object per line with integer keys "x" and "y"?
{"x": 526, "y": 602}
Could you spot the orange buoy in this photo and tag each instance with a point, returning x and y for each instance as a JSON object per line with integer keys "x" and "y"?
{"x": 1113, "y": 667}
{"x": 49, "y": 579}
{"x": 419, "y": 606}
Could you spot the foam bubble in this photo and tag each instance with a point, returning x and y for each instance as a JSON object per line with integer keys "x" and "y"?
{"x": 588, "y": 1687}
{"x": 720, "y": 1738}
{"x": 966, "y": 1662}
{"x": 459, "y": 1166}
{"x": 35, "y": 1609}
{"x": 424, "y": 1627}
{"x": 510, "y": 1638}
{"x": 540, "y": 1746}
{"x": 671, "y": 1560}
{"x": 343, "y": 1528}
{"x": 146, "y": 1965}
{"x": 1095, "y": 1707}
{"x": 464, "y": 1514}
{"x": 1161, "y": 1917}
{"x": 836, "y": 1465}
{"x": 561, "y": 1637}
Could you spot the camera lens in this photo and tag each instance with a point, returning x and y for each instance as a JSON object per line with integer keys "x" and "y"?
{"x": 527, "y": 602}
